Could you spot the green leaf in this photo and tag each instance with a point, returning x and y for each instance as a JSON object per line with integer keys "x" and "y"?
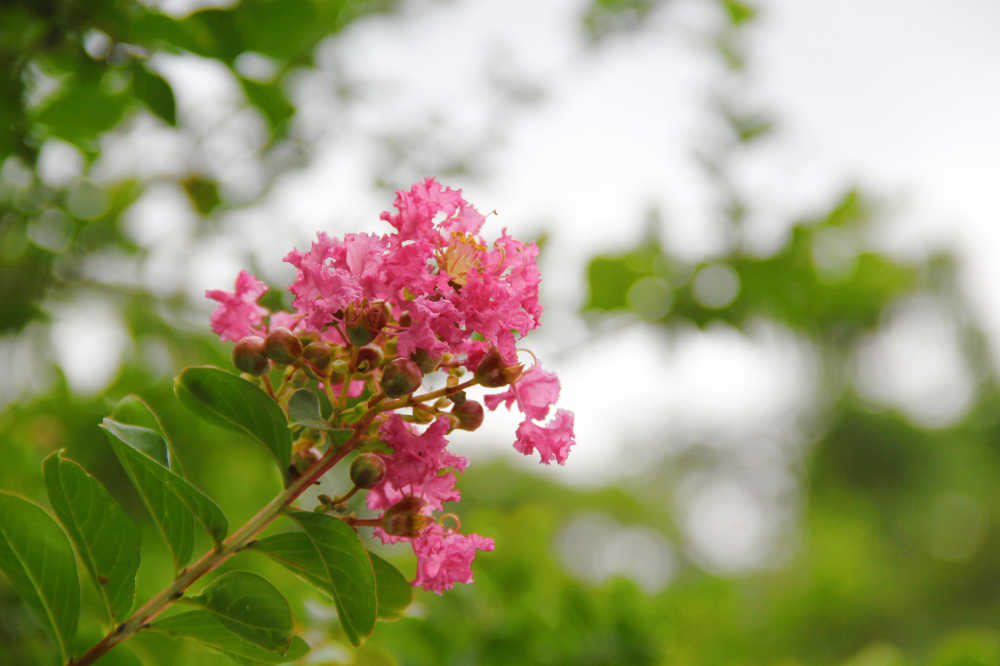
{"x": 147, "y": 440}
{"x": 153, "y": 91}
{"x": 234, "y": 403}
{"x": 610, "y": 276}
{"x": 249, "y": 606}
{"x": 105, "y": 537}
{"x": 208, "y": 628}
{"x": 304, "y": 410}
{"x": 38, "y": 559}
{"x": 295, "y": 552}
{"x": 394, "y": 592}
{"x": 348, "y": 570}
{"x": 173, "y": 503}
{"x": 133, "y": 410}
{"x": 271, "y": 101}
{"x": 203, "y": 192}
{"x": 84, "y": 107}
{"x": 739, "y": 12}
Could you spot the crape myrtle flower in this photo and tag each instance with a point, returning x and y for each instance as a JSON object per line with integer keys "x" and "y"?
{"x": 375, "y": 316}
{"x": 238, "y": 315}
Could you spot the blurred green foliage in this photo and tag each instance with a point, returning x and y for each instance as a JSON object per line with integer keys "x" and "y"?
{"x": 896, "y": 543}
{"x": 73, "y": 70}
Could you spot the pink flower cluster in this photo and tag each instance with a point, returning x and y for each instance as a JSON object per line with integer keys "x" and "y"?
{"x": 451, "y": 299}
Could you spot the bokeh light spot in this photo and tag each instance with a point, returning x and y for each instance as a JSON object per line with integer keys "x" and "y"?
{"x": 716, "y": 286}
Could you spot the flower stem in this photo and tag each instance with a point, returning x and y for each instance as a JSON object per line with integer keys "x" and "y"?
{"x": 430, "y": 395}
{"x": 236, "y": 542}
{"x": 364, "y": 522}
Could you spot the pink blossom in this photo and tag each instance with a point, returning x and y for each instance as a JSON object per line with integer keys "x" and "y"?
{"x": 363, "y": 257}
{"x": 518, "y": 264}
{"x": 435, "y": 490}
{"x": 282, "y": 319}
{"x": 356, "y": 388}
{"x": 491, "y": 310}
{"x": 534, "y": 392}
{"x": 416, "y": 465}
{"x": 417, "y": 457}
{"x": 444, "y": 557}
{"x": 417, "y": 209}
{"x": 321, "y": 288}
{"x": 238, "y": 314}
{"x": 552, "y": 441}
{"x": 448, "y": 291}
{"x": 434, "y": 324}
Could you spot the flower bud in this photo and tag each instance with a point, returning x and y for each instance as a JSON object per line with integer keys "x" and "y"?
{"x": 360, "y": 334}
{"x": 364, "y": 321}
{"x": 492, "y": 372}
{"x": 282, "y": 346}
{"x": 424, "y": 360}
{"x": 458, "y": 397}
{"x": 512, "y": 373}
{"x": 369, "y": 357}
{"x": 422, "y": 414}
{"x": 248, "y": 355}
{"x": 307, "y": 337}
{"x": 401, "y": 377}
{"x": 404, "y": 518}
{"x": 377, "y": 315}
{"x": 367, "y": 470}
{"x": 358, "y": 331}
{"x": 317, "y": 354}
{"x": 469, "y": 414}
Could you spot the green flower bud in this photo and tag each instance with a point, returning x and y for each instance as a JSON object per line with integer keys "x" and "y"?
{"x": 401, "y": 377}
{"x": 360, "y": 334}
{"x": 248, "y": 355}
{"x": 469, "y": 414}
{"x": 317, "y": 354}
{"x": 282, "y": 346}
{"x": 369, "y": 357}
{"x": 404, "y": 518}
{"x": 339, "y": 367}
{"x": 367, "y": 470}
{"x": 364, "y": 321}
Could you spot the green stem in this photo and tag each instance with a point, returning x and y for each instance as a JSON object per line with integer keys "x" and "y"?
{"x": 364, "y": 522}
{"x": 236, "y": 542}
{"x": 344, "y": 389}
{"x": 431, "y": 395}
{"x": 268, "y": 387}
{"x": 346, "y": 496}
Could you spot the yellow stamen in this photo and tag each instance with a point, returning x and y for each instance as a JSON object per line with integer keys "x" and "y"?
{"x": 460, "y": 257}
